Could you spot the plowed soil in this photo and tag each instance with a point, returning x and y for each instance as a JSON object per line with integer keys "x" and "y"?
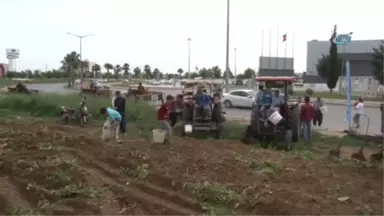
{"x": 54, "y": 169}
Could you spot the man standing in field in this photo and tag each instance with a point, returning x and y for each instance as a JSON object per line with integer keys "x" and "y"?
{"x": 163, "y": 117}
{"x": 119, "y": 104}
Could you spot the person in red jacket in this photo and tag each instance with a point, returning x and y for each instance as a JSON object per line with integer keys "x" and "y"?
{"x": 307, "y": 113}
{"x": 163, "y": 117}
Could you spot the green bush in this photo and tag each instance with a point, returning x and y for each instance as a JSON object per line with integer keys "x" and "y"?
{"x": 48, "y": 105}
{"x": 309, "y": 91}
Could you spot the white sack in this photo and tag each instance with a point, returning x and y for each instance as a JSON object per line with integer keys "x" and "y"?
{"x": 106, "y": 132}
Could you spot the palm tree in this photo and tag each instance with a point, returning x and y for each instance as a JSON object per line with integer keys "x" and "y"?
{"x": 108, "y": 66}
{"x": 156, "y": 74}
{"x": 126, "y": 70}
{"x": 117, "y": 70}
{"x": 36, "y": 73}
{"x": 95, "y": 69}
{"x": 180, "y": 72}
{"x": 147, "y": 72}
{"x": 70, "y": 63}
{"x": 137, "y": 72}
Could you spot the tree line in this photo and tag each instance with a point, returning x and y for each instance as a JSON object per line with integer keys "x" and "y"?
{"x": 71, "y": 66}
{"x": 330, "y": 66}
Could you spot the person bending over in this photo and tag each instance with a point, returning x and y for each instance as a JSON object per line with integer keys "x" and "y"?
{"x": 115, "y": 118}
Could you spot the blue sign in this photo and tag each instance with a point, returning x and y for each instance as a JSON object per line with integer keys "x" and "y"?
{"x": 349, "y": 92}
{"x": 342, "y": 39}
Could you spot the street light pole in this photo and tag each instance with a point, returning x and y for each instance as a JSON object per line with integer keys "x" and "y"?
{"x": 235, "y": 62}
{"x": 81, "y": 52}
{"x": 189, "y": 57}
{"x": 227, "y": 50}
{"x": 343, "y": 61}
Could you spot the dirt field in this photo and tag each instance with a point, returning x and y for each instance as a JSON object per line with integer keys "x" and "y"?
{"x": 54, "y": 169}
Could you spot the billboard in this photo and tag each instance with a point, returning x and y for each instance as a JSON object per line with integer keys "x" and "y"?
{"x": 12, "y": 53}
{"x": 276, "y": 63}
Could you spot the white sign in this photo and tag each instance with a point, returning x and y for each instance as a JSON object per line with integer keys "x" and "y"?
{"x": 12, "y": 53}
{"x": 342, "y": 39}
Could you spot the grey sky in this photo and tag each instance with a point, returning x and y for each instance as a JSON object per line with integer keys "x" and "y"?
{"x": 155, "y": 32}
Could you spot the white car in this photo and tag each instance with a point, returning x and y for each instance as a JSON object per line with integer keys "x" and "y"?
{"x": 239, "y": 98}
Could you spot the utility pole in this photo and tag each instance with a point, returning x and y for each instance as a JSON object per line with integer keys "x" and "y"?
{"x": 189, "y": 57}
{"x": 235, "y": 62}
{"x": 81, "y": 52}
{"x": 227, "y": 50}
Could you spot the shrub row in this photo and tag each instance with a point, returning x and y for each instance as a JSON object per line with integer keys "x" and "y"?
{"x": 48, "y": 105}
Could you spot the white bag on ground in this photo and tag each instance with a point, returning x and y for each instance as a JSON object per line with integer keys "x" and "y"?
{"x": 106, "y": 132}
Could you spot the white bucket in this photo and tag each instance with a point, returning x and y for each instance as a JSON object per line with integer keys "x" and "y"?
{"x": 106, "y": 132}
{"x": 275, "y": 118}
{"x": 158, "y": 135}
{"x": 188, "y": 128}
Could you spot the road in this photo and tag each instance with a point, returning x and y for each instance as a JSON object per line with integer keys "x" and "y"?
{"x": 333, "y": 119}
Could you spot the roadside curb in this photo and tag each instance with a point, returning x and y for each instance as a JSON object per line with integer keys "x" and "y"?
{"x": 369, "y": 104}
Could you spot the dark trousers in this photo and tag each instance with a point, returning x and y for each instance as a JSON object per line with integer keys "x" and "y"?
{"x": 318, "y": 118}
{"x": 123, "y": 123}
{"x": 173, "y": 117}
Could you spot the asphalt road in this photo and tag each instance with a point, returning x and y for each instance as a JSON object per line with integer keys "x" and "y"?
{"x": 333, "y": 119}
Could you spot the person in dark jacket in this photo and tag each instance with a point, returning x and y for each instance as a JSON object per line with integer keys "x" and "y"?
{"x": 119, "y": 104}
{"x": 176, "y": 109}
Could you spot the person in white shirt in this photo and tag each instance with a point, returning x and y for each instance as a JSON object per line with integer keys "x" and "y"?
{"x": 359, "y": 110}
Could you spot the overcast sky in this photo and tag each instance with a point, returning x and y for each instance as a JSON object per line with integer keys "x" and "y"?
{"x": 155, "y": 32}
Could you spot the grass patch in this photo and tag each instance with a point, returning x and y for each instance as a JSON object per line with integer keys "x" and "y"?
{"x": 260, "y": 167}
{"x": 217, "y": 194}
{"x": 48, "y": 105}
{"x": 141, "y": 117}
{"x": 210, "y": 209}
{"x": 41, "y": 207}
{"x": 140, "y": 172}
{"x": 78, "y": 190}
